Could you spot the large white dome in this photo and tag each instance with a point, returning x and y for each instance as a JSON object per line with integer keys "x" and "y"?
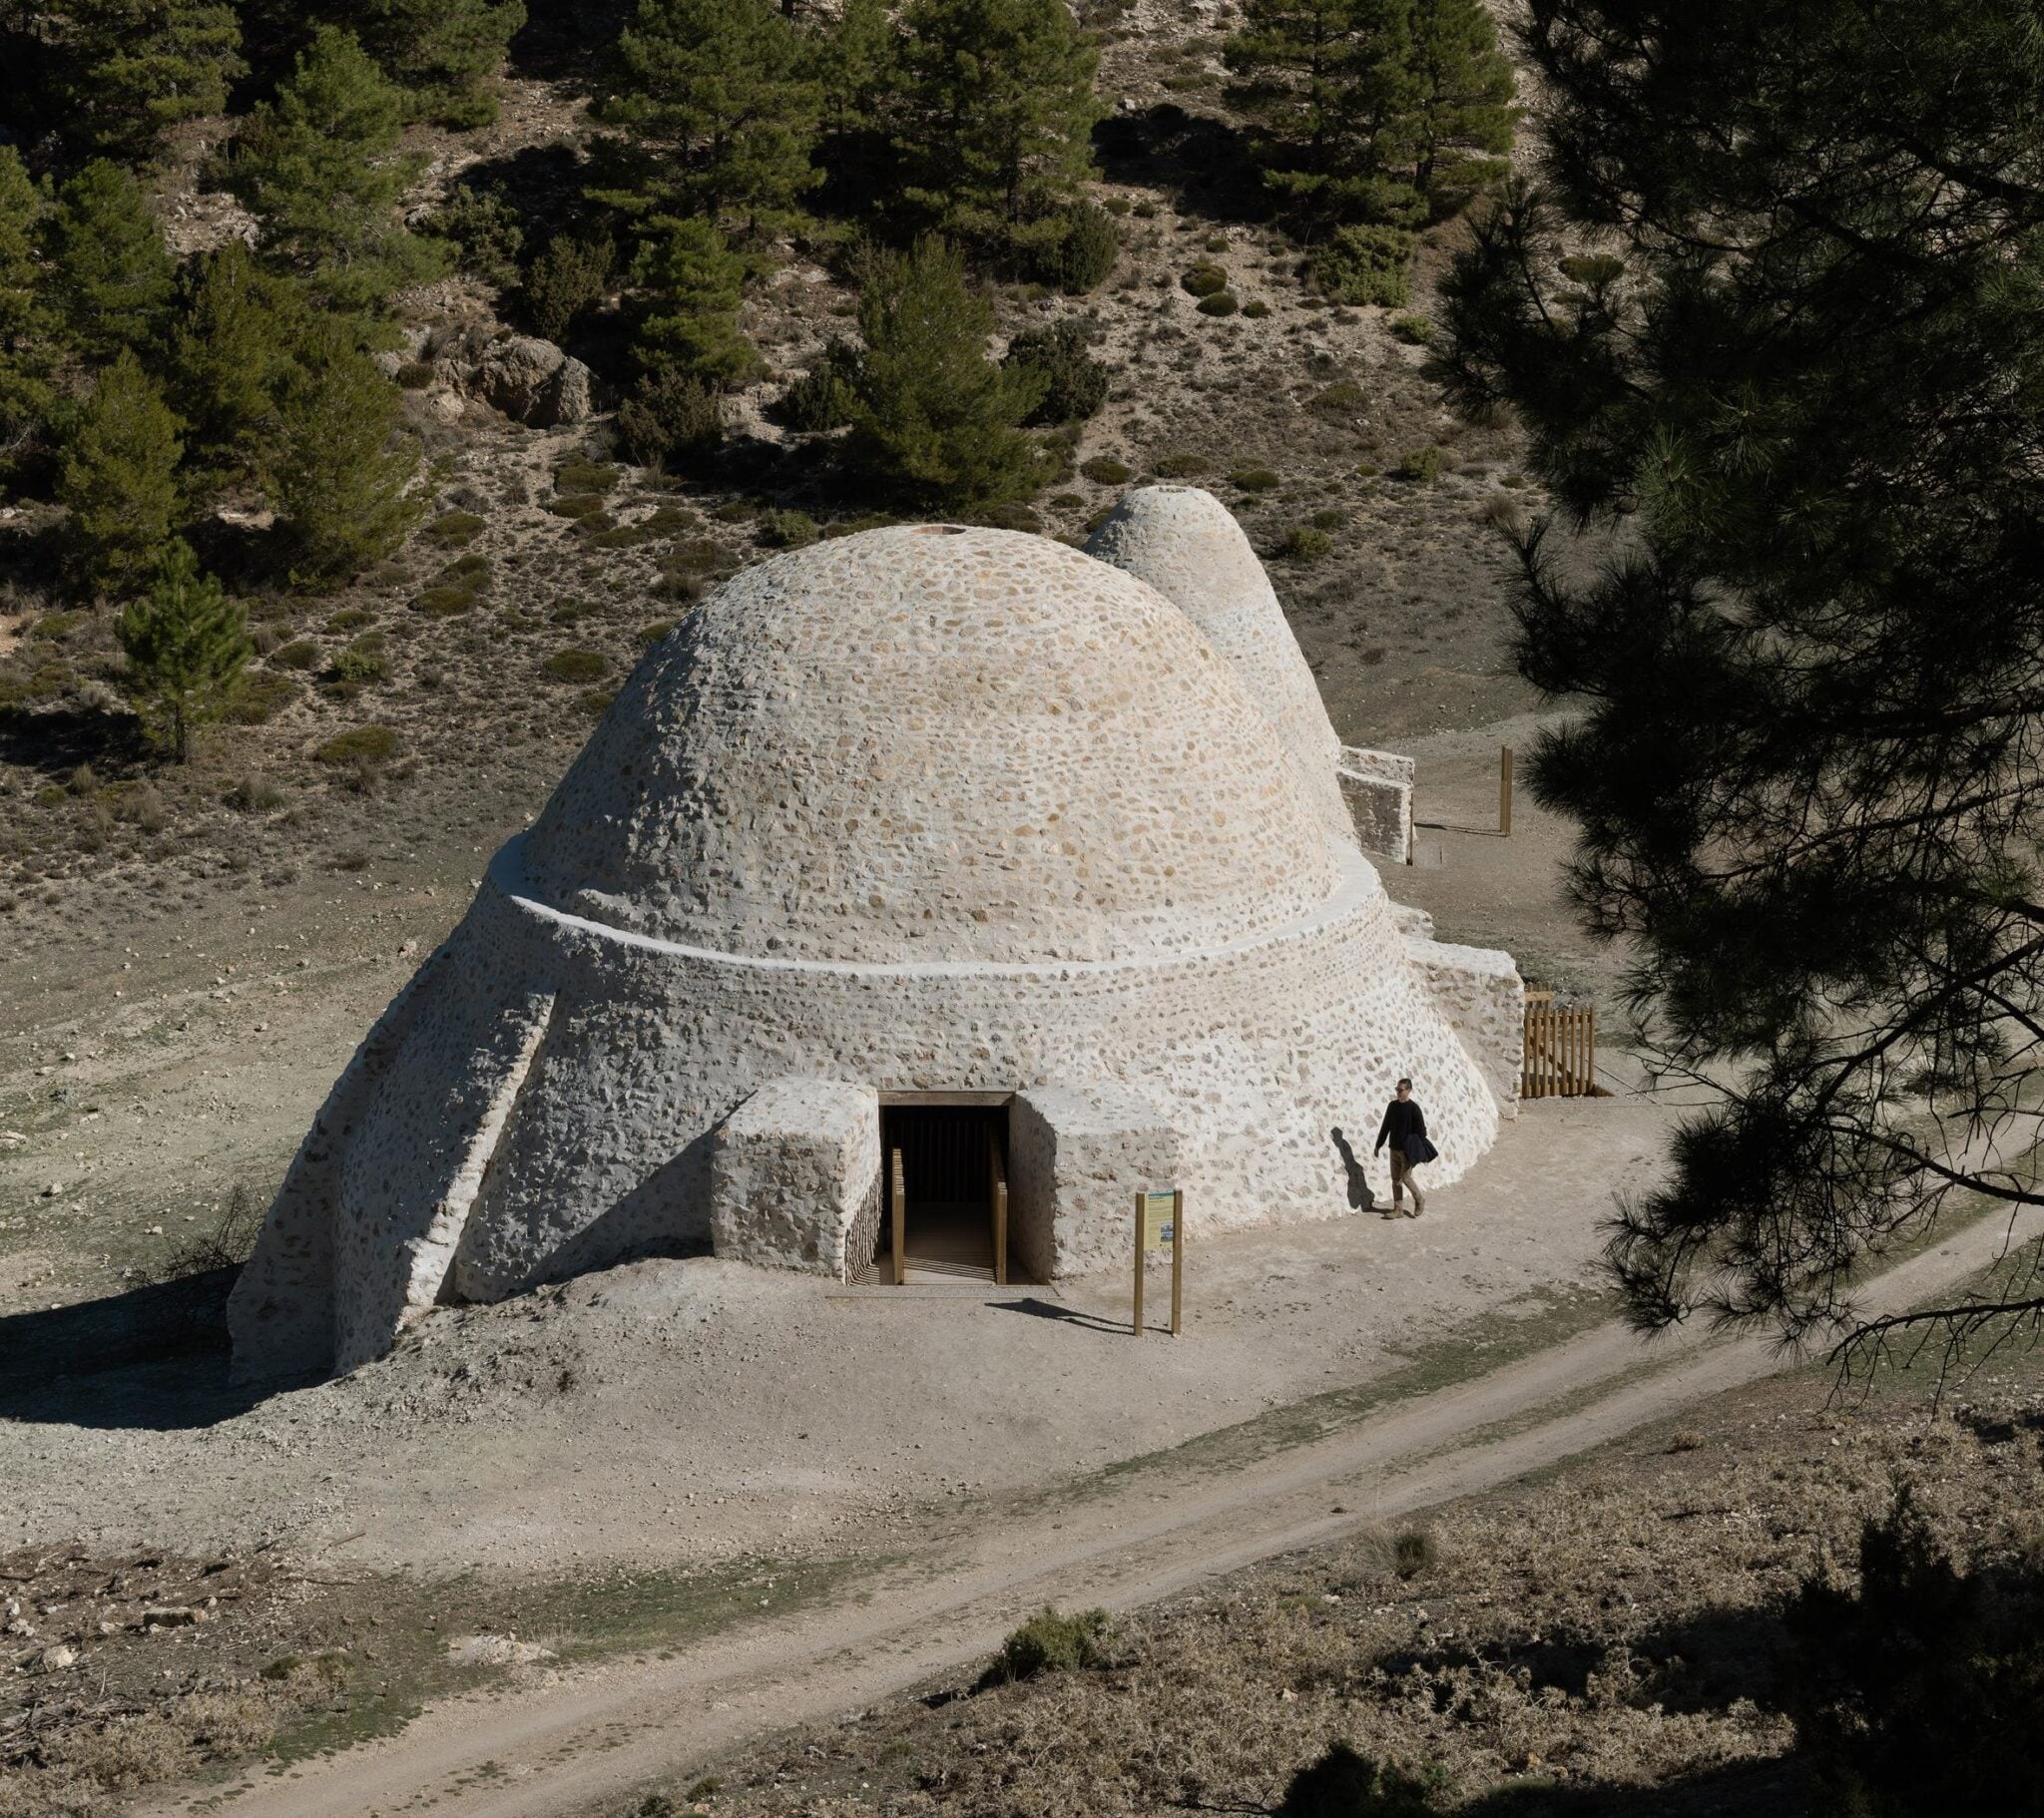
{"x": 935, "y": 744}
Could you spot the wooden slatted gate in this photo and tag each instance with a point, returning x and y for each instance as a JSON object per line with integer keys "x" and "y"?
{"x": 899, "y": 1234}
{"x": 1561, "y": 1049}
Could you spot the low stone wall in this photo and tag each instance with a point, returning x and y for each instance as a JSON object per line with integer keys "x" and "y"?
{"x": 1378, "y": 786}
{"x": 795, "y": 1173}
{"x": 1077, "y": 1156}
{"x": 1480, "y": 994}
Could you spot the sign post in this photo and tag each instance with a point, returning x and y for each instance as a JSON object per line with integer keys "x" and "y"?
{"x": 1160, "y": 1221}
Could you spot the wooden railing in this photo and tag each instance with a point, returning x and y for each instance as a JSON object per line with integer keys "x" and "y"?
{"x": 997, "y": 1203}
{"x": 898, "y": 1200}
{"x": 1561, "y": 1049}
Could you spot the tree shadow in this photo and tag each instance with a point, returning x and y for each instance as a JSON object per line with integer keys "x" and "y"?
{"x": 1773, "y": 1788}
{"x": 154, "y": 1357}
{"x": 1205, "y": 158}
{"x": 56, "y": 741}
{"x": 560, "y": 41}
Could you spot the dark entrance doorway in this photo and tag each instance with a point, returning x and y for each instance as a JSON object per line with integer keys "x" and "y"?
{"x": 944, "y": 1157}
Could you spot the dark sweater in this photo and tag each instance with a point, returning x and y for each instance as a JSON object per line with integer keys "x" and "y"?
{"x": 1402, "y": 1119}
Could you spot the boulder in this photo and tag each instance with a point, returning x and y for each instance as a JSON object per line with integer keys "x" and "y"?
{"x": 569, "y": 396}
{"x": 517, "y": 376}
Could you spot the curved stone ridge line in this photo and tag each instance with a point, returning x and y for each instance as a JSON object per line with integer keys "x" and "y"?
{"x": 1357, "y": 891}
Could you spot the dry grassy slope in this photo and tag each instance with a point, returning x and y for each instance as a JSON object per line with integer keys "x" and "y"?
{"x": 1597, "y": 1641}
{"x": 1403, "y": 621}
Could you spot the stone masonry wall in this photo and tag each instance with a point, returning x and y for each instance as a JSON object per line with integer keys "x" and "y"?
{"x": 791, "y": 1170}
{"x": 1078, "y": 1155}
{"x": 1378, "y": 786}
{"x": 1479, "y": 991}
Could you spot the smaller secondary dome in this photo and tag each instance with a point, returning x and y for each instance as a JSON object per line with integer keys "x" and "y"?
{"x": 1190, "y": 548}
{"x": 935, "y": 744}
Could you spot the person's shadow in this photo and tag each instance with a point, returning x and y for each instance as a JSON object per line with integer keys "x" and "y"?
{"x": 1360, "y": 1197}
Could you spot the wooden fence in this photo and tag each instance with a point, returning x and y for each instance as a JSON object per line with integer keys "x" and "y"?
{"x": 1561, "y": 1049}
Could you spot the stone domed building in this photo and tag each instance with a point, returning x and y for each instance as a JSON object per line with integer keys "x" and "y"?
{"x": 958, "y": 845}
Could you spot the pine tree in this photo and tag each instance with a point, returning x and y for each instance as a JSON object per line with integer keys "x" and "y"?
{"x": 1775, "y": 337}
{"x": 231, "y": 358}
{"x": 26, "y": 353}
{"x": 996, "y": 117}
{"x": 120, "y": 476}
{"x": 1331, "y": 88}
{"x": 343, "y": 476}
{"x": 1464, "y": 118}
{"x": 186, "y": 643}
{"x": 135, "y": 67}
{"x": 444, "y": 54}
{"x": 934, "y": 420}
{"x": 856, "y": 61}
{"x": 113, "y": 277}
{"x": 319, "y": 168}
{"x": 719, "y": 97}
{"x": 696, "y": 283}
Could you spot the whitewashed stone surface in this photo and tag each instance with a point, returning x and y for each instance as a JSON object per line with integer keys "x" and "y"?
{"x": 795, "y": 1177}
{"x": 1076, "y": 1157}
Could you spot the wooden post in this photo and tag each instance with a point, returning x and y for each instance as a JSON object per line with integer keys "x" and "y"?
{"x": 899, "y": 1195}
{"x": 1140, "y": 1203}
{"x": 1178, "y": 1257}
{"x": 999, "y": 1196}
{"x": 1504, "y": 790}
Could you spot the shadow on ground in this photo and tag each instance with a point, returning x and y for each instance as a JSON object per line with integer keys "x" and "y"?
{"x": 151, "y": 1357}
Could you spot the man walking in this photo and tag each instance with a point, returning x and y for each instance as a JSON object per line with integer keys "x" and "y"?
{"x": 1404, "y": 1126}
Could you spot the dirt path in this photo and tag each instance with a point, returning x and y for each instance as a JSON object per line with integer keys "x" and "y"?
{"x": 597, "y": 1734}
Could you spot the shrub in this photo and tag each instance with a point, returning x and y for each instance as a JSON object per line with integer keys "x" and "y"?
{"x": 787, "y": 529}
{"x": 1104, "y": 470}
{"x": 1365, "y": 266}
{"x": 1343, "y": 398}
{"x": 1050, "y": 1643}
{"x": 1302, "y": 543}
{"x": 1083, "y": 256}
{"x": 258, "y": 698}
{"x": 483, "y": 231}
{"x": 1344, "y": 1784}
{"x": 1178, "y": 464}
{"x": 360, "y": 746}
{"x": 1222, "y": 302}
{"x": 1254, "y": 479}
{"x": 1205, "y": 281}
{"x": 1413, "y": 330}
{"x": 596, "y": 702}
{"x": 453, "y": 529}
{"x": 350, "y": 618}
{"x": 697, "y": 556}
{"x": 581, "y": 477}
{"x": 1075, "y": 383}
{"x": 1917, "y": 1690}
{"x": 1413, "y": 1553}
{"x": 1330, "y": 517}
{"x": 444, "y": 601}
{"x": 569, "y": 276}
{"x": 414, "y": 375}
{"x": 1255, "y": 310}
{"x": 253, "y": 795}
{"x": 300, "y": 653}
{"x": 1420, "y": 464}
{"x": 364, "y": 662}
{"x": 671, "y": 419}
{"x": 821, "y": 398}
{"x": 575, "y": 666}
{"x": 650, "y": 635}
{"x": 576, "y": 504}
